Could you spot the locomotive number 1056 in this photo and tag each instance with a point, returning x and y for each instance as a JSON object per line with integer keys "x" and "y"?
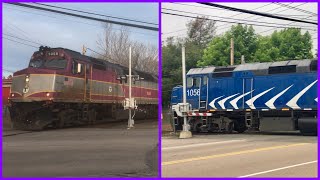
{"x": 193, "y": 92}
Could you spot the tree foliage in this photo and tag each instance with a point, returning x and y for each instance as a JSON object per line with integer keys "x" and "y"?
{"x": 200, "y": 33}
{"x": 284, "y": 45}
{"x": 114, "y": 46}
{"x": 287, "y": 44}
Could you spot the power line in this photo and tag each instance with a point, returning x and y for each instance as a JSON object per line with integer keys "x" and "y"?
{"x": 257, "y": 13}
{"x": 211, "y": 8}
{"x": 297, "y": 9}
{"x": 20, "y": 42}
{"x": 127, "y": 19}
{"x": 15, "y": 28}
{"x": 272, "y": 10}
{"x": 276, "y": 28}
{"x": 256, "y": 9}
{"x": 225, "y": 21}
{"x": 279, "y": 12}
{"x": 175, "y": 31}
{"x": 69, "y": 20}
{"x": 191, "y": 5}
{"x": 224, "y": 17}
{"x": 22, "y": 39}
{"x": 86, "y": 17}
{"x": 222, "y": 25}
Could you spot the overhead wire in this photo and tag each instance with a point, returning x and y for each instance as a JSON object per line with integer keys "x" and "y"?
{"x": 276, "y": 28}
{"x": 240, "y": 13}
{"x": 97, "y": 14}
{"x": 20, "y": 42}
{"x": 257, "y": 13}
{"x": 174, "y": 14}
{"x": 224, "y": 17}
{"x": 223, "y": 24}
{"x": 86, "y": 17}
{"x": 22, "y": 39}
{"x": 16, "y": 28}
{"x": 69, "y": 20}
{"x": 297, "y": 9}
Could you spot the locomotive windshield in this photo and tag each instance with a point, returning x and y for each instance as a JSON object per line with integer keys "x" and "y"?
{"x": 53, "y": 63}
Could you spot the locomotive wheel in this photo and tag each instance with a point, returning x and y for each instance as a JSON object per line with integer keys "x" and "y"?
{"x": 308, "y": 126}
{"x": 92, "y": 117}
{"x": 240, "y": 126}
{"x": 230, "y": 128}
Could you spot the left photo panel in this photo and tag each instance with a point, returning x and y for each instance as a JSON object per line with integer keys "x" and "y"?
{"x": 80, "y": 89}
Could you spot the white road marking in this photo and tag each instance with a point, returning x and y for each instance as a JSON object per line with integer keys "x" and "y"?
{"x": 278, "y": 169}
{"x": 201, "y": 144}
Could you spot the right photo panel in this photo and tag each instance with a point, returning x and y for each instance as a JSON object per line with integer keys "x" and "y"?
{"x": 239, "y": 89}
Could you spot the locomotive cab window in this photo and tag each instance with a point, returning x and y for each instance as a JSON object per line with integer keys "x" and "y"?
{"x": 193, "y": 82}
{"x": 52, "y": 63}
{"x": 189, "y": 82}
{"x": 35, "y": 63}
{"x": 56, "y": 63}
{"x": 205, "y": 80}
{"x": 77, "y": 68}
{"x": 196, "y": 82}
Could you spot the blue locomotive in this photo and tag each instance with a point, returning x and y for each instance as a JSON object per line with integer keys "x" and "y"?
{"x": 272, "y": 96}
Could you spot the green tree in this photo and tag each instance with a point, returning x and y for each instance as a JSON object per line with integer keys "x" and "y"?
{"x": 286, "y": 44}
{"x": 171, "y": 68}
{"x": 218, "y": 51}
{"x": 200, "y": 32}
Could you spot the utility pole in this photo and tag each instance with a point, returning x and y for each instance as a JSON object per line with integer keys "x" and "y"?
{"x": 130, "y": 121}
{"x": 130, "y": 103}
{"x": 231, "y": 52}
{"x": 242, "y": 59}
{"x": 185, "y": 133}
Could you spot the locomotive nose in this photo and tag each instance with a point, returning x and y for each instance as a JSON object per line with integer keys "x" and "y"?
{"x": 32, "y": 87}
{"x": 26, "y": 87}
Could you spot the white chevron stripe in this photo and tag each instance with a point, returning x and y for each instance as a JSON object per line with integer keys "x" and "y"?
{"x": 293, "y": 102}
{"x": 251, "y": 101}
{"x": 221, "y": 102}
{"x": 316, "y": 99}
{"x": 212, "y": 102}
{"x": 235, "y": 100}
{"x": 270, "y": 103}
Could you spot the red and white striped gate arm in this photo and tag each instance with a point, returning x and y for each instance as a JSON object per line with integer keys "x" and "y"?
{"x": 199, "y": 114}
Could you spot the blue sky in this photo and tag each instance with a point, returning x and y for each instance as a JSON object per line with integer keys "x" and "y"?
{"x": 63, "y": 31}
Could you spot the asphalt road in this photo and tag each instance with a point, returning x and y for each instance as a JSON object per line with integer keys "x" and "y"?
{"x": 93, "y": 151}
{"x": 240, "y": 155}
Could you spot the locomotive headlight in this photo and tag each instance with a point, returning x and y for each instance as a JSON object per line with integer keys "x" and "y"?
{"x": 48, "y": 94}
{"x": 27, "y": 79}
{"x": 12, "y": 95}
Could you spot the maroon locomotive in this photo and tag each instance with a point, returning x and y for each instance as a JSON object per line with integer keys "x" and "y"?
{"x": 62, "y": 87}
